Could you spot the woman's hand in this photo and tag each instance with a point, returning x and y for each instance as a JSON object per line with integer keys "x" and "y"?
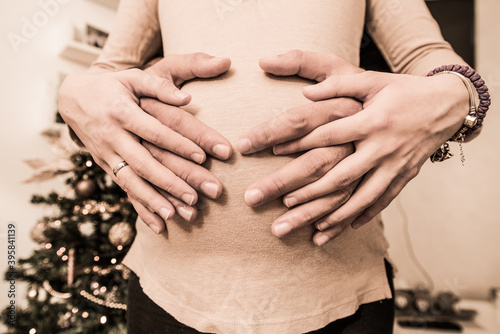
{"x": 104, "y": 110}
{"x": 404, "y": 120}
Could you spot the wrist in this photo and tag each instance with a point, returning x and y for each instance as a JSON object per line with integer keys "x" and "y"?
{"x": 456, "y": 96}
{"x": 450, "y": 103}
{"x": 473, "y": 82}
{"x": 474, "y": 119}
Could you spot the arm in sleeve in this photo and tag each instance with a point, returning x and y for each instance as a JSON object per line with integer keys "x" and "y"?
{"x": 134, "y": 39}
{"x": 408, "y": 36}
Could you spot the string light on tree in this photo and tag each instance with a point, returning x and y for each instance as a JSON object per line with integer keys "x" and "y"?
{"x": 121, "y": 234}
{"x": 76, "y": 270}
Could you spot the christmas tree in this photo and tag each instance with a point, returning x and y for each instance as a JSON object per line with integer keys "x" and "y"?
{"x": 76, "y": 282}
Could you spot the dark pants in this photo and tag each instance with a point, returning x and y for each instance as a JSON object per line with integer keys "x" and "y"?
{"x": 144, "y": 316}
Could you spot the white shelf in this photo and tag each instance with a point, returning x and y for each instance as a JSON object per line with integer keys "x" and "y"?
{"x": 80, "y": 52}
{"x": 112, "y": 4}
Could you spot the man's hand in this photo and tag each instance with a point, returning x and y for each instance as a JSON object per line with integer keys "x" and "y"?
{"x": 301, "y": 179}
{"x": 164, "y": 175}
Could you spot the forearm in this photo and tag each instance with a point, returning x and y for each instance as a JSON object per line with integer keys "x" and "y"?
{"x": 134, "y": 40}
{"x": 408, "y": 36}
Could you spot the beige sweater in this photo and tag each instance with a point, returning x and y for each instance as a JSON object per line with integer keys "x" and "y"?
{"x": 226, "y": 272}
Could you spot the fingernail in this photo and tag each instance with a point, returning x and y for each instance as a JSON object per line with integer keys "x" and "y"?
{"x": 322, "y": 239}
{"x": 155, "y": 229}
{"x": 282, "y": 229}
{"x": 277, "y": 150}
{"x": 188, "y": 199}
{"x": 186, "y": 213}
{"x": 244, "y": 145}
{"x": 165, "y": 213}
{"x": 217, "y": 59}
{"x": 180, "y": 94}
{"x": 197, "y": 157}
{"x": 253, "y": 197}
{"x": 210, "y": 189}
{"x": 310, "y": 89}
{"x": 272, "y": 58}
{"x": 290, "y": 201}
{"x": 322, "y": 226}
{"x": 222, "y": 151}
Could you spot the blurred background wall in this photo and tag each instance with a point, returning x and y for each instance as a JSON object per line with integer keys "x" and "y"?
{"x": 30, "y": 71}
{"x": 451, "y": 212}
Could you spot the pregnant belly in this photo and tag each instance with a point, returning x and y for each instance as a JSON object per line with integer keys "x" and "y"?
{"x": 233, "y": 104}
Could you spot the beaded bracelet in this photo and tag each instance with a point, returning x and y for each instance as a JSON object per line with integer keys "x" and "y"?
{"x": 475, "y": 118}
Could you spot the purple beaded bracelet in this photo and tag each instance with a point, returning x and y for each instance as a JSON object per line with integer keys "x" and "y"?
{"x": 479, "y": 84}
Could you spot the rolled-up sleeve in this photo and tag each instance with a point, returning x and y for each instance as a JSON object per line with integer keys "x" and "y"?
{"x": 134, "y": 39}
{"x": 408, "y": 36}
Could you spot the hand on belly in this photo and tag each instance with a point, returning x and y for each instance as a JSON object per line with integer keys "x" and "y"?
{"x": 228, "y": 111}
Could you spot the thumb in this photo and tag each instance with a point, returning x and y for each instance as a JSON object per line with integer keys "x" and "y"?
{"x": 308, "y": 65}
{"x": 143, "y": 84}
{"x": 359, "y": 86}
{"x": 181, "y": 68}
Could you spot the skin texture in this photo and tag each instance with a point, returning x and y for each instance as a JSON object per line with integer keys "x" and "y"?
{"x": 403, "y": 121}
{"x": 113, "y": 125}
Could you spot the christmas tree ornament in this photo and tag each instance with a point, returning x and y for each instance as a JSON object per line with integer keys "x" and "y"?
{"x": 102, "y": 302}
{"x": 87, "y": 228}
{"x": 64, "y": 320}
{"x": 60, "y": 140}
{"x": 85, "y": 188}
{"x": 42, "y": 295}
{"x": 37, "y": 233}
{"x": 121, "y": 234}
{"x": 33, "y": 292}
{"x": 106, "y": 216}
{"x": 126, "y": 273}
{"x": 108, "y": 181}
{"x": 71, "y": 266}
{"x": 61, "y": 295}
{"x": 47, "y": 170}
{"x": 113, "y": 296}
{"x": 30, "y": 271}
